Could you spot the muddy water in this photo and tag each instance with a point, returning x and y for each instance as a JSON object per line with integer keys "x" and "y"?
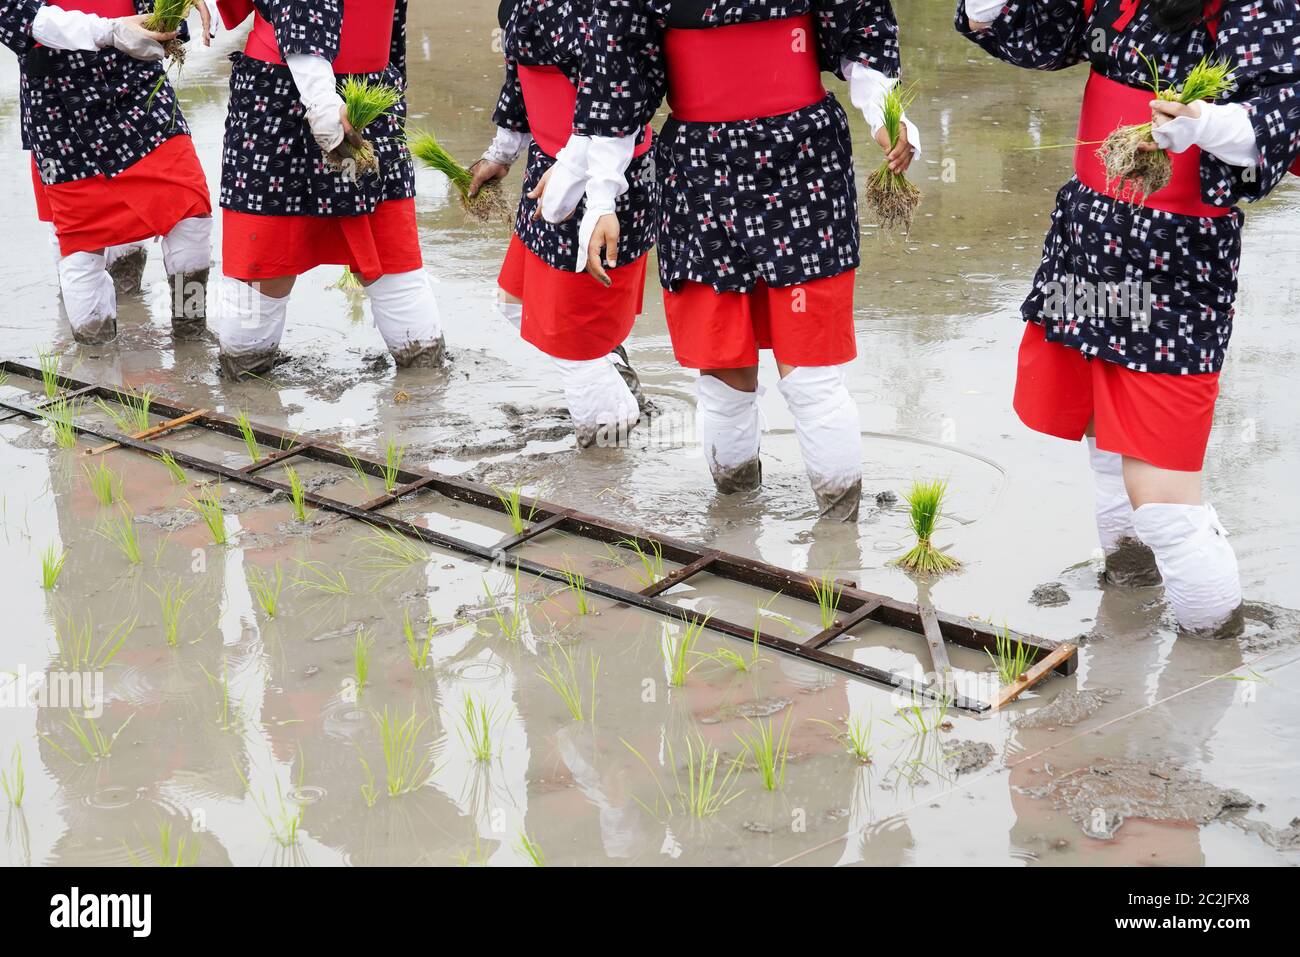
{"x": 1160, "y": 750}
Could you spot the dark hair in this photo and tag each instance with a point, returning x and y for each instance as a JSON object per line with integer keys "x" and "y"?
{"x": 1178, "y": 16}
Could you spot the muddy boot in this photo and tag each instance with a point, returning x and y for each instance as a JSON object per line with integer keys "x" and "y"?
{"x": 633, "y": 381}
{"x": 240, "y": 367}
{"x": 96, "y": 332}
{"x": 842, "y": 505}
{"x": 128, "y": 271}
{"x": 189, "y": 305}
{"x": 422, "y": 356}
{"x": 746, "y": 477}
{"x": 1234, "y": 627}
{"x": 1131, "y": 565}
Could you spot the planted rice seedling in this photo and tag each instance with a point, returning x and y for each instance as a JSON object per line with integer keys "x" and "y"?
{"x": 1012, "y": 658}
{"x": 393, "y": 455}
{"x": 121, "y": 531}
{"x": 172, "y": 599}
{"x": 925, "y": 505}
{"x": 130, "y": 413}
{"x": 318, "y": 577}
{"x": 854, "y": 734}
{"x": 577, "y": 586}
{"x": 166, "y": 852}
{"x": 417, "y": 649}
{"x": 61, "y": 416}
{"x": 702, "y": 795}
{"x": 361, "y": 658}
{"x": 266, "y": 588}
{"x": 487, "y": 204}
{"x": 369, "y": 793}
{"x": 563, "y": 677}
{"x": 226, "y": 721}
{"x": 13, "y": 780}
{"x": 360, "y": 475}
{"x": 677, "y": 653}
{"x": 511, "y": 623}
{"x": 52, "y": 562}
{"x": 77, "y": 648}
{"x": 366, "y": 102}
{"x": 531, "y": 850}
{"x": 391, "y": 551}
{"x": 407, "y": 768}
{"x": 297, "y": 493}
{"x": 173, "y": 468}
{"x": 283, "y": 818}
{"x": 652, "y": 562}
{"x": 478, "y": 721}
{"x": 918, "y": 720}
{"x": 892, "y": 196}
{"x": 105, "y": 484}
{"x": 1137, "y": 173}
{"x": 97, "y": 745}
{"x": 49, "y": 362}
{"x": 828, "y": 593}
{"x": 512, "y": 501}
{"x": 769, "y": 747}
{"x": 208, "y": 504}
{"x": 250, "y": 439}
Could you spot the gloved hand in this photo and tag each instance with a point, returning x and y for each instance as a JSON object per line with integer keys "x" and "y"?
{"x": 318, "y": 90}
{"x": 1223, "y": 130}
{"x": 326, "y": 119}
{"x": 130, "y": 36}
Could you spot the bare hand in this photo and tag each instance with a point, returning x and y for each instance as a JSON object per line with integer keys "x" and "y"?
{"x": 899, "y": 156}
{"x": 486, "y": 171}
{"x": 603, "y": 237}
{"x": 206, "y": 18}
{"x": 978, "y": 26}
{"x": 1162, "y": 111}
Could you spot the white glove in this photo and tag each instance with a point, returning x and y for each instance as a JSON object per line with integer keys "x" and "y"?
{"x": 567, "y": 182}
{"x": 1223, "y": 130}
{"x": 507, "y": 146}
{"x": 585, "y": 229}
{"x": 130, "y": 38}
{"x": 984, "y": 11}
{"x": 318, "y": 90}
{"x": 867, "y": 89}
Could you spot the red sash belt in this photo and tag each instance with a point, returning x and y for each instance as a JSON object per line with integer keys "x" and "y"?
{"x": 365, "y": 47}
{"x": 549, "y": 99}
{"x": 744, "y": 71}
{"x": 1108, "y": 105}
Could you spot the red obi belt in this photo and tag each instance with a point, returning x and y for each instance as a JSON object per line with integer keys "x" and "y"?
{"x": 365, "y": 46}
{"x": 745, "y": 71}
{"x": 550, "y": 99}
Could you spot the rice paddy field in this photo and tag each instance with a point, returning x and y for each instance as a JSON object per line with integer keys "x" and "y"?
{"x": 286, "y": 686}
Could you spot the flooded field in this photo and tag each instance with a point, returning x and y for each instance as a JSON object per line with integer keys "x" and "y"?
{"x": 265, "y": 697}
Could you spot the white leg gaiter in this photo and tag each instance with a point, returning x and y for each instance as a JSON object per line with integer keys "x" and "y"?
{"x": 1128, "y": 561}
{"x": 726, "y": 421}
{"x": 1202, "y": 583}
{"x": 406, "y": 315}
{"x": 830, "y": 437}
{"x": 249, "y": 327}
{"x": 88, "y": 297}
{"x": 602, "y": 407}
{"x": 187, "y": 256}
{"x": 511, "y": 312}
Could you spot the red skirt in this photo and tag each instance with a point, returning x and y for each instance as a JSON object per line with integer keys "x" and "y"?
{"x": 141, "y": 202}
{"x": 1160, "y": 419}
{"x": 384, "y": 243}
{"x": 570, "y": 315}
{"x": 806, "y": 325}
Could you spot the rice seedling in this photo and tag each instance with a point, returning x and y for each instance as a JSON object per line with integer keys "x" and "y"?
{"x": 366, "y": 102}
{"x": 77, "y": 648}
{"x": 892, "y": 196}
{"x": 105, "y": 484}
{"x": 49, "y": 361}
{"x": 918, "y": 721}
{"x": 120, "y": 531}
{"x": 417, "y": 649}
{"x": 297, "y": 493}
{"x": 828, "y": 593}
{"x": 703, "y": 794}
{"x": 97, "y": 745}
{"x": 361, "y": 658}
{"x": 52, "y": 562}
{"x": 360, "y": 475}
{"x": 487, "y": 204}
{"x": 678, "y": 652}
{"x": 318, "y": 577}
{"x": 576, "y": 585}
{"x": 1012, "y": 658}
{"x": 769, "y": 747}
{"x": 14, "y": 780}
{"x": 393, "y": 455}
{"x": 369, "y": 793}
{"x": 477, "y": 857}
{"x": 531, "y": 850}
{"x": 172, "y": 599}
{"x": 855, "y": 734}
{"x": 1137, "y": 173}
{"x": 61, "y": 416}
{"x": 266, "y": 588}
{"x": 284, "y": 818}
{"x": 250, "y": 439}
{"x": 130, "y": 413}
{"x": 348, "y": 282}
{"x": 925, "y": 508}
{"x": 166, "y": 852}
{"x": 478, "y": 720}
{"x": 563, "y": 677}
{"x": 509, "y": 623}
{"x": 226, "y": 721}
{"x": 173, "y": 468}
{"x": 391, "y": 551}
{"x": 512, "y": 501}
{"x": 208, "y": 504}
{"x": 167, "y": 17}
{"x": 652, "y": 562}
{"x": 407, "y": 768}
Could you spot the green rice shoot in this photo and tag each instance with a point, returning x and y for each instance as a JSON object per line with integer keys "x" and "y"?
{"x": 164, "y": 852}
{"x": 769, "y": 748}
{"x": 266, "y": 588}
{"x": 478, "y": 721}
{"x": 828, "y": 593}
{"x": 531, "y": 850}
{"x": 208, "y": 505}
{"x": 61, "y": 416}
{"x": 105, "y": 484}
{"x": 167, "y": 17}
{"x": 366, "y": 101}
{"x": 892, "y": 196}
{"x": 703, "y": 794}
{"x": 121, "y": 532}
{"x": 361, "y": 658}
{"x": 77, "y": 648}
{"x": 855, "y": 734}
{"x": 406, "y": 768}
{"x": 509, "y": 623}
{"x": 173, "y": 468}
{"x": 96, "y": 745}
{"x": 172, "y": 599}
{"x": 512, "y": 503}
{"x": 925, "y": 508}
{"x": 52, "y": 562}
{"x": 297, "y": 493}
{"x": 1011, "y": 658}
{"x": 417, "y": 648}
{"x": 13, "y": 780}
{"x": 679, "y": 651}
{"x": 488, "y": 204}
{"x": 565, "y": 680}
{"x": 392, "y": 470}
{"x": 250, "y": 440}
{"x": 49, "y": 361}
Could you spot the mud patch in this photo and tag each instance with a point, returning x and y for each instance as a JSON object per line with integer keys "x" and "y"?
{"x": 1067, "y": 708}
{"x": 966, "y": 757}
{"x": 1049, "y": 595}
{"x": 759, "y": 708}
{"x": 1102, "y": 797}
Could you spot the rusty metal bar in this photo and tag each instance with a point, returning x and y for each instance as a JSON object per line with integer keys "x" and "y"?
{"x": 673, "y": 579}
{"x": 532, "y": 531}
{"x": 275, "y": 458}
{"x": 388, "y": 498}
{"x": 842, "y": 627}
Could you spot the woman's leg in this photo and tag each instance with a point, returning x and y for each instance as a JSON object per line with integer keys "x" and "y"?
{"x": 1129, "y": 562}
{"x": 250, "y": 324}
{"x": 187, "y": 257}
{"x": 726, "y": 421}
{"x": 89, "y": 297}
{"x": 829, "y": 430}
{"x": 406, "y": 315}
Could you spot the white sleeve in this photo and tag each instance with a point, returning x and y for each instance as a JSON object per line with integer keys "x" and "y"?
{"x": 61, "y": 29}
{"x": 867, "y": 89}
{"x": 608, "y": 158}
{"x": 214, "y": 15}
{"x": 1223, "y": 130}
{"x": 567, "y": 182}
{"x": 984, "y": 11}
{"x": 506, "y": 147}
{"x": 314, "y": 77}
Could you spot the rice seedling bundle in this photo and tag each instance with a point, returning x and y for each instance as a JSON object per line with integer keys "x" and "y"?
{"x": 366, "y": 101}
{"x": 1136, "y": 173}
{"x": 488, "y": 204}
{"x": 925, "y": 507}
{"x": 167, "y": 17}
{"x": 892, "y": 196}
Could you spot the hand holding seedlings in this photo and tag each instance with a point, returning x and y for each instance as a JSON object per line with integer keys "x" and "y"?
{"x": 483, "y": 201}
{"x": 486, "y": 171}
{"x": 890, "y": 194}
{"x": 1163, "y": 111}
{"x": 364, "y": 102}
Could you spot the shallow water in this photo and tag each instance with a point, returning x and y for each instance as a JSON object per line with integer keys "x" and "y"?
{"x": 937, "y": 331}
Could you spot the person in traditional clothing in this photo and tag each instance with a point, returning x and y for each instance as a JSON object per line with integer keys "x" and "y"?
{"x": 291, "y": 199}
{"x": 1135, "y": 368}
{"x": 758, "y": 226}
{"x": 580, "y": 322}
{"x": 112, "y": 159}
